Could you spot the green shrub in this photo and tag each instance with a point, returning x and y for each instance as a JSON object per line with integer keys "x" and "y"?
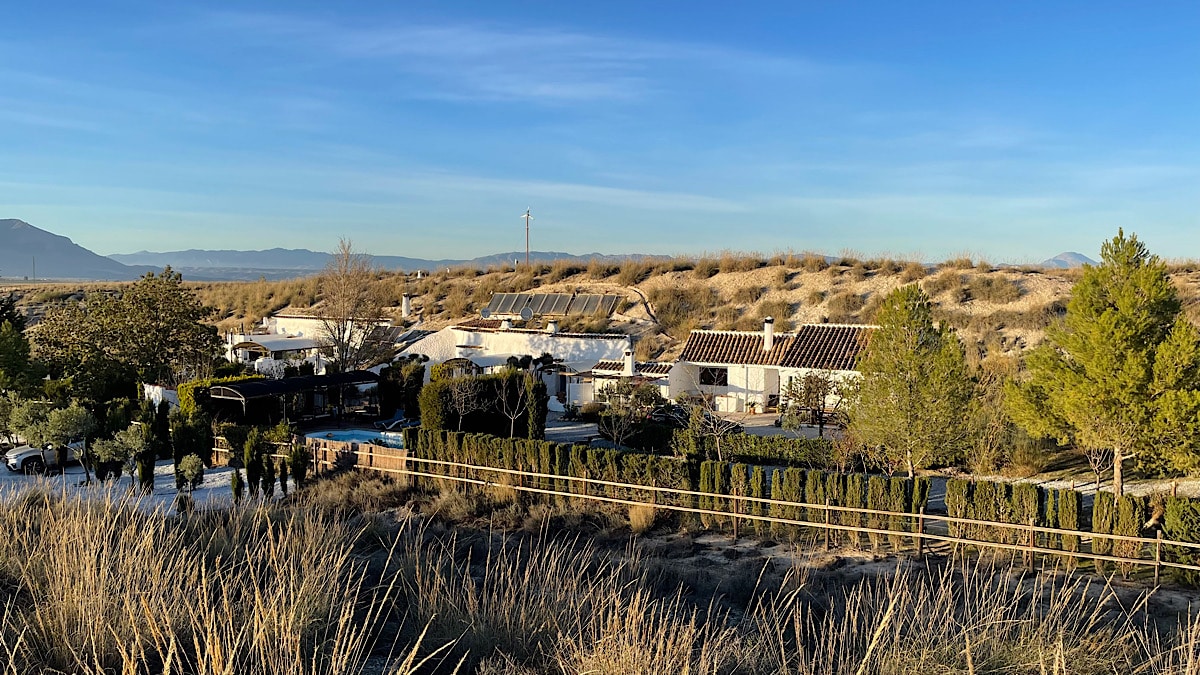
{"x": 438, "y": 407}
{"x": 1181, "y": 522}
{"x": 191, "y": 469}
{"x": 1050, "y": 516}
{"x": 959, "y": 494}
{"x": 299, "y": 459}
{"x": 814, "y": 493}
{"x": 920, "y": 494}
{"x": 283, "y": 477}
{"x": 237, "y": 485}
{"x": 899, "y": 500}
{"x": 1025, "y": 504}
{"x": 1131, "y": 513}
{"x": 758, "y": 489}
{"x": 877, "y": 499}
{"x": 1070, "y": 512}
{"x": 1104, "y": 508}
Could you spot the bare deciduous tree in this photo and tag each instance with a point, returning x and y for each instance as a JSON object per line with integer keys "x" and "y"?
{"x": 514, "y": 399}
{"x": 352, "y": 301}
{"x": 466, "y": 396}
{"x": 619, "y": 424}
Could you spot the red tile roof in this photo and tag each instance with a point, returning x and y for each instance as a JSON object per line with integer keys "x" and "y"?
{"x": 824, "y": 346}
{"x": 827, "y": 346}
{"x": 727, "y": 346}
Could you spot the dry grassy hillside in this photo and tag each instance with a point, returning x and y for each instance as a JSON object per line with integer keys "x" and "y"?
{"x": 996, "y": 310}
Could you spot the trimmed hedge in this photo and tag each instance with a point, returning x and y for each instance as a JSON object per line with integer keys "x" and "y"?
{"x": 522, "y": 454}
{"x": 808, "y": 453}
{"x": 1131, "y": 514}
{"x": 1181, "y": 522}
{"x": 436, "y": 402}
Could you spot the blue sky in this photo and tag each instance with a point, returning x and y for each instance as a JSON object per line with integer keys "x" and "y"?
{"x": 1008, "y": 130}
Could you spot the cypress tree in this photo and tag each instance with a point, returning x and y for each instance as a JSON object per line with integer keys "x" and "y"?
{"x": 283, "y": 476}
{"x": 1104, "y": 508}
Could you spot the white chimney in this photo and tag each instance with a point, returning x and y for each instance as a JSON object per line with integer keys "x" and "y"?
{"x": 552, "y": 326}
{"x": 506, "y": 324}
{"x": 406, "y": 305}
{"x": 630, "y": 366}
{"x": 768, "y": 333}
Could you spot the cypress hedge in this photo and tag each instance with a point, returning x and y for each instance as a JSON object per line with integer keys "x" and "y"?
{"x": 1131, "y": 514}
{"x": 1070, "y": 517}
{"x": 959, "y": 496}
{"x": 1104, "y": 508}
{"x": 1181, "y": 522}
{"x": 758, "y": 489}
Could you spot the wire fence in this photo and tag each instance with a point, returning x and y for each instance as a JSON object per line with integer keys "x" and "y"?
{"x": 902, "y": 530}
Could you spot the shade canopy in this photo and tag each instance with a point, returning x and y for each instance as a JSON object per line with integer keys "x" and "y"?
{"x": 244, "y": 391}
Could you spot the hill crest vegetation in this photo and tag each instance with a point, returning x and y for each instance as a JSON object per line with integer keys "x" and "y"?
{"x": 996, "y": 310}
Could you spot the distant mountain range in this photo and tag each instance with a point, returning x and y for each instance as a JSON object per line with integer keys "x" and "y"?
{"x": 283, "y": 263}
{"x": 32, "y": 253}
{"x": 29, "y": 252}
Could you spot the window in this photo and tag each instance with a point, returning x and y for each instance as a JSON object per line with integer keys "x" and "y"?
{"x": 714, "y": 377}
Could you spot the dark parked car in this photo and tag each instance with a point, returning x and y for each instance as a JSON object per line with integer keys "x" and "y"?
{"x": 680, "y": 417}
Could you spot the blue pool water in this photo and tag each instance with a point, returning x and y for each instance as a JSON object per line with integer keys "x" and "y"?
{"x": 390, "y": 439}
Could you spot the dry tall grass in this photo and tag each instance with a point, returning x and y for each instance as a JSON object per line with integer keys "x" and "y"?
{"x": 101, "y": 587}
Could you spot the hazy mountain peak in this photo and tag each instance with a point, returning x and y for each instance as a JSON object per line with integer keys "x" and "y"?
{"x": 1067, "y": 260}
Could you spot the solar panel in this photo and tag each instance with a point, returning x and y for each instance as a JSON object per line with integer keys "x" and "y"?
{"x": 552, "y": 304}
{"x": 559, "y": 304}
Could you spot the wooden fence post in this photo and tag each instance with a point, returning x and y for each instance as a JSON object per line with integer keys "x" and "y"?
{"x": 1031, "y": 543}
{"x": 921, "y": 533}
{"x": 827, "y": 523}
{"x": 1158, "y": 537}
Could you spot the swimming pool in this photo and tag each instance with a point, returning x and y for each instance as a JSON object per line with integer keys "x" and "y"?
{"x": 390, "y": 439}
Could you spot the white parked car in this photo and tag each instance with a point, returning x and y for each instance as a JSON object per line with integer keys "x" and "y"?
{"x": 28, "y": 459}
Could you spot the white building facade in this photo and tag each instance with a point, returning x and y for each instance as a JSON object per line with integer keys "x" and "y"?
{"x": 746, "y": 371}
{"x": 488, "y": 344}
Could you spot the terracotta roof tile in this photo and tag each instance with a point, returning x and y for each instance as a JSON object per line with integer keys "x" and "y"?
{"x": 826, "y": 346}
{"x": 726, "y": 346}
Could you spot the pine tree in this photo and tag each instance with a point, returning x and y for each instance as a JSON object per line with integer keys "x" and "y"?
{"x": 913, "y": 399}
{"x": 1120, "y": 371}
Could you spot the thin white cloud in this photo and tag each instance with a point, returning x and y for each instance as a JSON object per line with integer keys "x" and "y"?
{"x": 503, "y": 63}
{"x": 446, "y": 185}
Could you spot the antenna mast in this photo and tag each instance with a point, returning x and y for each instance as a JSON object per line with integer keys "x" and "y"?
{"x": 528, "y": 217}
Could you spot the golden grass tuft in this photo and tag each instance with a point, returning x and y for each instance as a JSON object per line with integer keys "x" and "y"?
{"x": 641, "y": 518}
